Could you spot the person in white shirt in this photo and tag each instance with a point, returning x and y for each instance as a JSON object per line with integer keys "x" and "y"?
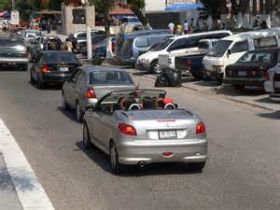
{"x": 171, "y": 27}
{"x": 186, "y": 27}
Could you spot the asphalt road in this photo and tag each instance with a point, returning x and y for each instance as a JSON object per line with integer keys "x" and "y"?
{"x": 243, "y": 171}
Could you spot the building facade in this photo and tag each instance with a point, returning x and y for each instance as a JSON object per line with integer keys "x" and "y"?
{"x": 160, "y": 5}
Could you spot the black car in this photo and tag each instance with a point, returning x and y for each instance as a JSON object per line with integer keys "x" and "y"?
{"x": 251, "y": 68}
{"x": 53, "y": 67}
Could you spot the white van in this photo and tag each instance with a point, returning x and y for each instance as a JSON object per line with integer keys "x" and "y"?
{"x": 229, "y": 49}
{"x": 175, "y": 45}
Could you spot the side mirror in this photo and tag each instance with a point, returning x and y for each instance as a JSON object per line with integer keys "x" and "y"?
{"x": 228, "y": 52}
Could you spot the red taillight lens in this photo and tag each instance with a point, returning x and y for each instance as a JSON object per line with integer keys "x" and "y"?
{"x": 90, "y": 93}
{"x": 267, "y": 78}
{"x": 127, "y": 130}
{"x": 45, "y": 69}
{"x": 200, "y": 129}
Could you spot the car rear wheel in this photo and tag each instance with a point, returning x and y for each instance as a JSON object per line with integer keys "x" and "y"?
{"x": 116, "y": 167}
{"x": 197, "y": 166}
{"x": 32, "y": 81}
{"x": 86, "y": 137}
{"x": 238, "y": 87}
{"x": 65, "y": 106}
{"x": 79, "y": 113}
{"x": 155, "y": 67}
{"x": 40, "y": 83}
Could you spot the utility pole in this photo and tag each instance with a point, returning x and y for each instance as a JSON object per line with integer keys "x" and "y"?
{"x": 88, "y": 29}
{"x": 13, "y": 5}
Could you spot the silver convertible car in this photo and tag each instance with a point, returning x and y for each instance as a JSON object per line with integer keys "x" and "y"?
{"x": 138, "y": 127}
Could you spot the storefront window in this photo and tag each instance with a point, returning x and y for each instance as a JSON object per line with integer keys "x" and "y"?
{"x": 79, "y": 16}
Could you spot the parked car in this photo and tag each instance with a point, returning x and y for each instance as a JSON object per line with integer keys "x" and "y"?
{"x": 179, "y": 44}
{"x": 53, "y": 67}
{"x": 122, "y": 37}
{"x": 135, "y": 46}
{"x": 90, "y": 83}
{"x": 229, "y": 49}
{"x": 139, "y": 127}
{"x": 272, "y": 82}
{"x": 13, "y": 53}
{"x": 250, "y": 69}
{"x": 190, "y": 61}
{"x": 79, "y": 38}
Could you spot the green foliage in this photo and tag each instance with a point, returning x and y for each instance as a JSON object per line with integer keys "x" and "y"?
{"x": 5, "y": 4}
{"x": 55, "y": 5}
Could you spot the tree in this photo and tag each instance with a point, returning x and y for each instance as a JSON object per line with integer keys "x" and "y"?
{"x": 105, "y": 7}
{"x": 55, "y": 5}
{"x": 137, "y": 7}
{"x": 5, "y": 4}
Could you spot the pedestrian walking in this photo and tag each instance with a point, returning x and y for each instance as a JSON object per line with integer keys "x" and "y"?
{"x": 179, "y": 29}
{"x": 171, "y": 27}
{"x": 186, "y": 27}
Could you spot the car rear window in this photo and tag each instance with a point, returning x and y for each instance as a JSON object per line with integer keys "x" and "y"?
{"x": 58, "y": 58}
{"x": 258, "y": 57}
{"x": 110, "y": 77}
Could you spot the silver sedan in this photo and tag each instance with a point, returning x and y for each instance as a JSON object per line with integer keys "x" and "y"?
{"x": 144, "y": 126}
{"x": 89, "y": 83}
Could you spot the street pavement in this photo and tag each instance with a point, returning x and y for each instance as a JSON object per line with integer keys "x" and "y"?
{"x": 243, "y": 170}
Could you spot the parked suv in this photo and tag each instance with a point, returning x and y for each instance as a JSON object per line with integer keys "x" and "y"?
{"x": 13, "y": 53}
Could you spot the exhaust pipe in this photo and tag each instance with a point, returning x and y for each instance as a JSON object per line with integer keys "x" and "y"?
{"x": 141, "y": 164}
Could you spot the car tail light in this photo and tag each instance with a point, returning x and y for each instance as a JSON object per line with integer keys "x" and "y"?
{"x": 200, "y": 129}
{"x": 45, "y": 69}
{"x": 90, "y": 93}
{"x": 127, "y": 130}
{"x": 267, "y": 77}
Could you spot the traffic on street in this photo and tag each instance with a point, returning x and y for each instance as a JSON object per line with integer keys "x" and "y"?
{"x": 157, "y": 118}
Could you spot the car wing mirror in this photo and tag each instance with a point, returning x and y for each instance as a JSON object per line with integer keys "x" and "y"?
{"x": 228, "y": 53}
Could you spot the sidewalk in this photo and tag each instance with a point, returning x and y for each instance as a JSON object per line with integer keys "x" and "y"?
{"x": 8, "y": 196}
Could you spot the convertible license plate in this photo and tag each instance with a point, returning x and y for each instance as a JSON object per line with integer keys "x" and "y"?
{"x": 170, "y": 134}
{"x": 64, "y": 69}
{"x": 242, "y": 73}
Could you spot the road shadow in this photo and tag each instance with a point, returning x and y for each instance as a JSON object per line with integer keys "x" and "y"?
{"x": 267, "y": 100}
{"x": 46, "y": 88}
{"x": 23, "y": 180}
{"x": 69, "y": 113}
{"x": 102, "y": 160}
{"x": 273, "y": 115}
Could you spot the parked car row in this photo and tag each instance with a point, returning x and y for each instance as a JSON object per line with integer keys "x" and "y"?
{"x": 243, "y": 59}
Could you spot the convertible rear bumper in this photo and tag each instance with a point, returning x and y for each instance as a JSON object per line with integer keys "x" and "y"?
{"x": 131, "y": 153}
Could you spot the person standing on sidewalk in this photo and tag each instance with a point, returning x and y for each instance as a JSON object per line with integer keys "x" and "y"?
{"x": 67, "y": 45}
{"x": 171, "y": 27}
{"x": 186, "y": 27}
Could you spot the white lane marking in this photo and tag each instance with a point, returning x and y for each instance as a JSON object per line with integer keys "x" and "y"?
{"x": 30, "y": 192}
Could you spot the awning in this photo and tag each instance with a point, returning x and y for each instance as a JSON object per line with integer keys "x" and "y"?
{"x": 181, "y": 7}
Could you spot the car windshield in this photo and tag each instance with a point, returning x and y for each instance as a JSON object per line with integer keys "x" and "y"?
{"x": 257, "y": 57}
{"x": 58, "y": 58}
{"x": 220, "y": 48}
{"x": 110, "y": 78}
{"x": 162, "y": 45}
{"x": 32, "y": 33}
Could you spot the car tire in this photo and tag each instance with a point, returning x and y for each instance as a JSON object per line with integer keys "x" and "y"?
{"x": 219, "y": 81}
{"x": 65, "y": 106}
{"x": 79, "y": 113}
{"x": 40, "y": 83}
{"x": 24, "y": 67}
{"x": 155, "y": 68}
{"x": 32, "y": 81}
{"x": 198, "y": 167}
{"x": 86, "y": 137}
{"x": 116, "y": 167}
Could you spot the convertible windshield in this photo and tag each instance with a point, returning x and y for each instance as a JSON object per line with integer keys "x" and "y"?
{"x": 257, "y": 57}
{"x": 220, "y": 48}
{"x": 162, "y": 45}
